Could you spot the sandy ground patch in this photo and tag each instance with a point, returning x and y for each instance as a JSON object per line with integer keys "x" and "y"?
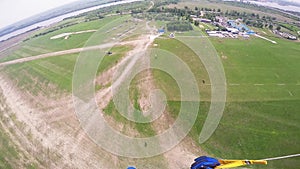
{"x": 52, "y": 135}
{"x": 66, "y": 35}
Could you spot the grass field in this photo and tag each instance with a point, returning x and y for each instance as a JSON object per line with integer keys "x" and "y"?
{"x": 75, "y": 41}
{"x": 268, "y": 73}
{"x": 43, "y": 44}
{"x": 58, "y": 71}
{"x": 261, "y": 117}
{"x": 40, "y": 74}
{"x": 191, "y": 59}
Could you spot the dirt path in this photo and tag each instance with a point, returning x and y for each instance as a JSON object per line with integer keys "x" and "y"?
{"x": 65, "y": 35}
{"x": 150, "y": 7}
{"x": 7, "y": 125}
{"x": 59, "y": 53}
{"x": 181, "y": 155}
{"x": 51, "y": 135}
{"x": 274, "y": 42}
{"x": 186, "y": 150}
{"x": 64, "y": 52}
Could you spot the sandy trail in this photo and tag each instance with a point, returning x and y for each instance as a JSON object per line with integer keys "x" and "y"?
{"x": 65, "y": 52}
{"x": 51, "y": 136}
{"x": 265, "y": 38}
{"x": 59, "y": 53}
{"x": 65, "y": 35}
{"x": 141, "y": 46}
{"x": 150, "y": 7}
{"x": 138, "y": 54}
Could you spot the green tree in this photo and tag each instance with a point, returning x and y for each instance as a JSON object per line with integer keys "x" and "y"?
{"x": 271, "y": 26}
{"x": 278, "y": 28}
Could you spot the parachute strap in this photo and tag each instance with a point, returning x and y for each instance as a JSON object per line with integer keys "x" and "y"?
{"x": 282, "y": 157}
{"x": 237, "y": 163}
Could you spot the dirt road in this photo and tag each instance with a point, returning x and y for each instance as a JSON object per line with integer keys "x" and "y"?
{"x": 65, "y": 52}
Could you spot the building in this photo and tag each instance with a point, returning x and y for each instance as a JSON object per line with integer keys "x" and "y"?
{"x": 233, "y": 30}
{"x": 161, "y": 31}
{"x": 285, "y": 35}
{"x": 205, "y": 20}
{"x": 172, "y": 35}
{"x": 215, "y": 34}
{"x": 202, "y": 20}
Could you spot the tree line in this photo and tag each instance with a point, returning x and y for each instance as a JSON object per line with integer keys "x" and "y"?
{"x": 179, "y": 26}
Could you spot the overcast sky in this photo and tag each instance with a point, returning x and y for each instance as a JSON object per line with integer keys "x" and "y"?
{"x": 12, "y": 11}
{"x": 294, "y": 0}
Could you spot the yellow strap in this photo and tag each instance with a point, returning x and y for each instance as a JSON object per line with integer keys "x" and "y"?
{"x": 237, "y": 163}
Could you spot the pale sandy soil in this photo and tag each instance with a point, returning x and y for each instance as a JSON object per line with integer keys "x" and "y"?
{"x": 66, "y": 35}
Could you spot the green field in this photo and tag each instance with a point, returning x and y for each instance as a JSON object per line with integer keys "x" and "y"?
{"x": 41, "y": 74}
{"x": 260, "y": 120}
{"x": 191, "y": 59}
{"x": 261, "y": 117}
{"x": 268, "y": 71}
{"x": 43, "y": 44}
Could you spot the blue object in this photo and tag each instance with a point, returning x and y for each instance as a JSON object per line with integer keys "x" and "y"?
{"x": 239, "y": 26}
{"x": 205, "y": 162}
{"x": 161, "y": 31}
{"x": 131, "y": 168}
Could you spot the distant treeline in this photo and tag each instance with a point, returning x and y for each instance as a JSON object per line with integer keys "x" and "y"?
{"x": 261, "y": 8}
{"x": 52, "y": 30}
{"x": 179, "y": 26}
{"x": 250, "y": 19}
{"x": 159, "y": 3}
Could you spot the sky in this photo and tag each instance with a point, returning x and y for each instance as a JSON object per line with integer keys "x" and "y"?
{"x": 293, "y": 1}
{"x": 12, "y": 11}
